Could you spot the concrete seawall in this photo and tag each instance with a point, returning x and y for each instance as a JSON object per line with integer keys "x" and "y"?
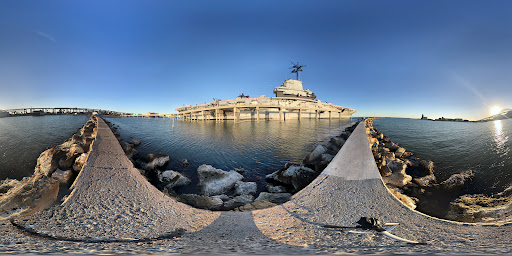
{"x": 111, "y": 200}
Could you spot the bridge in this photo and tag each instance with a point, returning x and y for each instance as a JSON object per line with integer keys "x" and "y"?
{"x": 58, "y": 111}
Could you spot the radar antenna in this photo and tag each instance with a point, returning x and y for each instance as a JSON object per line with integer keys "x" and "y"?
{"x": 297, "y": 68}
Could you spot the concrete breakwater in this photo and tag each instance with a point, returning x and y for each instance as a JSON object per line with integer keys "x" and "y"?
{"x": 55, "y": 171}
{"x": 414, "y": 182}
{"x": 112, "y": 201}
{"x": 230, "y": 190}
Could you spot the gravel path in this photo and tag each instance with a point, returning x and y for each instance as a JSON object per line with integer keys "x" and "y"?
{"x": 111, "y": 200}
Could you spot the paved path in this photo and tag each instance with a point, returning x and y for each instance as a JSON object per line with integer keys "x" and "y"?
{"x": 110, "y": 199}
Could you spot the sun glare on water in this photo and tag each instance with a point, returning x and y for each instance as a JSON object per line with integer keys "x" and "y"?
{"x": 495, "y": 110}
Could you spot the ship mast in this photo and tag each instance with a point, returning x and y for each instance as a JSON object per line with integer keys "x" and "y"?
{"x": 297, "y": 68}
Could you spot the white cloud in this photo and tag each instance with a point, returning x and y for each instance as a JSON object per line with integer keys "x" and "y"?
{"x": 47, "y": 36}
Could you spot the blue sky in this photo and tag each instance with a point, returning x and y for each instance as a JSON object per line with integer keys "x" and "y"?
{"x": 384, "y": 58}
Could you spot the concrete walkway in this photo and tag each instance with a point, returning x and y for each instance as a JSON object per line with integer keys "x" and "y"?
{"x": 111, "y": 200}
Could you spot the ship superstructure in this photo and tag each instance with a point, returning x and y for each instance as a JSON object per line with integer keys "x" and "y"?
{"x": 291, "y": 102}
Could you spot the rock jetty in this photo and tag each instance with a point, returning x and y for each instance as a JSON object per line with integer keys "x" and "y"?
{"x": 56, "y": 170}
{"x": 229, "y": 190}
{"x": 413, "y": 181}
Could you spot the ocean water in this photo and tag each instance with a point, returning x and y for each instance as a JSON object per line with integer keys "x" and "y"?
{"x": 260, "y": 148}
{"x": 484, "y": 148}
{"x": 24, "y": 138}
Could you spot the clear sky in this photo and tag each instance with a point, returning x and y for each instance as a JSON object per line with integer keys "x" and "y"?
{"x": 383, "y": 58}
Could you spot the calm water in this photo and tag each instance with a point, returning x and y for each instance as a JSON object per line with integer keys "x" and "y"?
{"x": 24, "y": 138}
{"x": 454, "y": 147}
{"x": 260, "y": 148}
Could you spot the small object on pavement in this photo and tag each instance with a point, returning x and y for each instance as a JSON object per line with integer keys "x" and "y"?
{"x": 373, "y": 226}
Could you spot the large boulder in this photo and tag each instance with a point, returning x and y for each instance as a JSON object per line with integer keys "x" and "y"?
{"x": 258, "y": 204}
{"x": 245, "y": 188}
{"x": 80, "y": 162}
{"x": 427, "y": 167}
{"x": 398, "y": 177}
{"x": 338, "y": 141}
{"x": 136, "y": 142}
{"x": 297, "y": 176}
{"x": 216, "y": 181}
{"x": 155, "y": 161}
{"x": 75, "y": 149}
{"x": 399, "y": 152}
{"x": 385, "y": 171}
{"x": 173, "y": 179}
{"x": 457, "y": 181}
{"x": 202, "y": 202}
{"x": 481, "y": 208}
{"x": 31, "y": 195}
{"x": 276, "y": 198}
{"x": 319, "y": 150}
{"x": 275, "y": 189}
{"x": 237, "y": 202}
{"x": 406, "y": 200}
{"x": 62, "y": 176}
{"x": 426, "y": 181}
{"x": 48, "y": 161}
{"x": 7, "y": 184}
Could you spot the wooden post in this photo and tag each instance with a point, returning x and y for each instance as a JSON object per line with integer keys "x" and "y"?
{"x": 330, "y": 115}
{"x": 317, "y": 113}
{"x": 281, "y": 117}
{"x": 234, "y": 114}
{"x": 300, "y": 113}
{"x": 258, "y": 114}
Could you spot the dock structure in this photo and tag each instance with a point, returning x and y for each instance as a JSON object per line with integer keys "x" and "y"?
{"x": 255, "y": 110}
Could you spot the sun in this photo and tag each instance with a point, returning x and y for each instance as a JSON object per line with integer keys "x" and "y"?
{"x": 495, "y": 110}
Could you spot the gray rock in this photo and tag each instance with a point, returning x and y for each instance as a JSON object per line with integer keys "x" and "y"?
{"x": 385, "y": 171}
{"x": 245, "y": 188}
{"x": 155, "y": 161}
{"x": 481, "y": 208}
{"x": 75, "y": 149}
{"x": 238, "y": 201}
{"x": 399, "y": 152}
{"x": 457, "y": 181}
{"x": 397, "y": 166}
{"x": 48, "y": 161}
{"x": 136, "y": 142}
{"x": 62, "y": 176}
{"x": 7, "y": 184}
{"x": 80, "y": 162}
{"x": 297, "y": 176}
{"x": 276, "y": 198}
{"x": 427, "y": 167}
{"x": 173, "y": 179}
{"x": 319, "y": 150}
{"x": 216, "y": 181}
{"x": 390, "y": 156}
{"x": 222, "y": 197}
{"x": 31, "y": 195}
{"x": 425, "y": 181}
{"x": 398, "y": 177}
{"x": 327, "y": 157}
{"x": 275, "y": 189}
{"x": 202, "y": 202}
{"x": 339, "y": 141}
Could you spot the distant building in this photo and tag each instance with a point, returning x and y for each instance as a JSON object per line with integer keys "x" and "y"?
{"x": 424, "y": 117}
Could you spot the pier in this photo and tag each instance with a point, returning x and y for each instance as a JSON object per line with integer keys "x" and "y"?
{"x": 253, "y": 112}
{"x": 110, "y": 192}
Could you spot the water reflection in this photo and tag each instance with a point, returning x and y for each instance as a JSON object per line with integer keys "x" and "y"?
{"x": 500, "y": 138}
